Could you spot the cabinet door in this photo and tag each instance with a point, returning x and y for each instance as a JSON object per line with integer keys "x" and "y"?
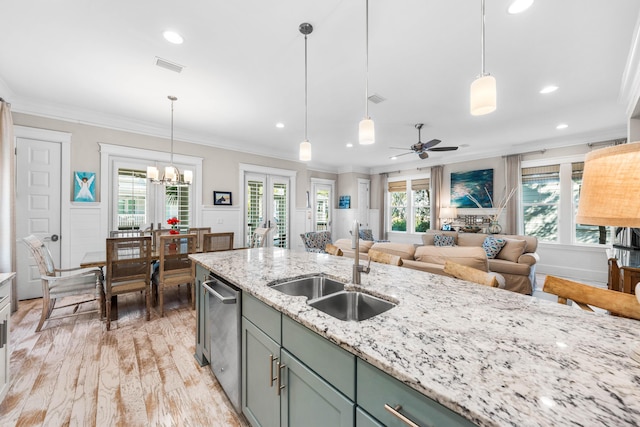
{"x": 4, "y": 351}
{"x": 260, "y": 398}
{"x": 307, "y": 400}
{"x": 363, "y": 419}
{"x": 202, "y": 318}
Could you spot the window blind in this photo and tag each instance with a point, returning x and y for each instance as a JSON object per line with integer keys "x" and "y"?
{"x": 397, "y": 186}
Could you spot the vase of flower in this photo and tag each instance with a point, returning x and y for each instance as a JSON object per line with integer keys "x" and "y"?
{"x": 173, "y": 222}
{"x": 494, "y": 227}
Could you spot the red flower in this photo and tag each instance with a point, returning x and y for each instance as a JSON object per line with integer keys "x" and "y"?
{"x": 174, "y": 231}
{"x": 173, "y": 221}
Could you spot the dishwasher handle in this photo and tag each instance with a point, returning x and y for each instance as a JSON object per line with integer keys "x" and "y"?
{"x": 208, "y": 286}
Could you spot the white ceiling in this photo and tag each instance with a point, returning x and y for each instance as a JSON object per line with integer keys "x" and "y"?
{"x": 94, "y": 62}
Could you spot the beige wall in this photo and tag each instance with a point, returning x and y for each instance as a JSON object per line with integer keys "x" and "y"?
{"x": 220, "y": 166}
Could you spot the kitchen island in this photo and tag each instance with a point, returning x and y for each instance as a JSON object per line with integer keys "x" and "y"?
{"x": 495, "y": 357}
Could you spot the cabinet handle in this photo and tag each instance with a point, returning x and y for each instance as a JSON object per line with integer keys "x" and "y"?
{"x": 279, "y": 375}
{"x": 271, "y": 377}
{"x": 395, "y": 410}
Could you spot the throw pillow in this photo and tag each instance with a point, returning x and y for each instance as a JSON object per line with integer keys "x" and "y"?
{"x": 366, "y": 234}
{"x": 442, "y": 240}
{"x": 492, "y": 246}
{"x": 512, "y": 250}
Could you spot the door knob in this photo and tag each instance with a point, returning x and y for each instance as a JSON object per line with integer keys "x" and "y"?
{"x": 54, "y": 237}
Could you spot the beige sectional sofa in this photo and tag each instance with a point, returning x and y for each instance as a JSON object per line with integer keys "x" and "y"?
{"x": 515, "y": 263}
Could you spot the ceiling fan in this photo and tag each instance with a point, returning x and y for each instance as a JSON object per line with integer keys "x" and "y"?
{"x": 422, "y": 148}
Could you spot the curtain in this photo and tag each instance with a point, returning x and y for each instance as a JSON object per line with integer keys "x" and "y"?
{"x": 7, "y": 197}
{"x": 513, "y": 179}
{"x": 437, "y": 173}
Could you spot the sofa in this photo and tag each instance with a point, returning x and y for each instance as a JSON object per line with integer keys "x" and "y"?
{"x": 514, "y": 264}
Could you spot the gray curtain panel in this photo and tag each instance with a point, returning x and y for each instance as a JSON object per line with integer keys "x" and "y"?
{"x": 7, "y": 195}
{"x": 437, "y": 173}
{"x": 513, "y": 179}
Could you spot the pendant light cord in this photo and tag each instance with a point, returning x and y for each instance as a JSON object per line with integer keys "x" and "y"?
{"x": 305, "y": 88}
{"x": 482, "y": 38}
{"x": 366, "y": 86}
{"x": 171, "y": 131}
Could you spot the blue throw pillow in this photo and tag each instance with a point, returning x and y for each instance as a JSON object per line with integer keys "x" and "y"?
{"x": 492, "y": 246}
{"x": 442, "y": 240}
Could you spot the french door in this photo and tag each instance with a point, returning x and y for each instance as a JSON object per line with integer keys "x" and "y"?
{"x": 322, "y": 204}
{"x": 141, "y": 203}
{"x": 267, "y": 202}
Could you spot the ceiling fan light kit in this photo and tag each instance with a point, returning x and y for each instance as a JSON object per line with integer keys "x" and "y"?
{"x": 483, "y": 89}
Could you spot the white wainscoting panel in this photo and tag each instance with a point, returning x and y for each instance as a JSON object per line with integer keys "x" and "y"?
{"x": 224, "y": 219}
{"x": 85, "y": 234}
{"x": 587, "y": 263}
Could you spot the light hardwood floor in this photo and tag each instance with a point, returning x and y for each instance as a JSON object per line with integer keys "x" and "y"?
{"x": 75, "y": 373}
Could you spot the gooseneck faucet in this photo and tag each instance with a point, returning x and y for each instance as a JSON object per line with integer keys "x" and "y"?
{"x": 355, "y": 244}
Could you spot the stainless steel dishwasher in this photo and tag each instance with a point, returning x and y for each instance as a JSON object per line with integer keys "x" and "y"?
{"x": 225, "y": 336}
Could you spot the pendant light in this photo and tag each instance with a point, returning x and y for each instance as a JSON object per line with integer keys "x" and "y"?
{"x": 366, "y": 131}
{"x": 172, "y": 174}
{"x": 305, "y": 146}
{"x": 483, "y": 88}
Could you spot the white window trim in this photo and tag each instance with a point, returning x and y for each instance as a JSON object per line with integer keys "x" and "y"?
{"x": 409, "y": 206}
{"x": 110, "y": 153}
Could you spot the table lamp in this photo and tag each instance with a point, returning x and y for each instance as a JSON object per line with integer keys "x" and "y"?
{"x": 610, "y": 193}
{"x": 448, "y": 214}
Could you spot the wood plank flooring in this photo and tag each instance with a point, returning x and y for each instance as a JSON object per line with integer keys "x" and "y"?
{"x": 75, "y": 373}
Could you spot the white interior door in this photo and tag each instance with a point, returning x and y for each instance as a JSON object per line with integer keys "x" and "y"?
{"x": 322, "y": 206}
{"x": 363, "y": 202}
{"x": 38, "y": 200}
{"x": 267, "y": 203}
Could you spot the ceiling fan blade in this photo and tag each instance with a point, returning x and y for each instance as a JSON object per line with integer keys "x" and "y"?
{"x": 398, "y": 148}
{"x": 429, "y": 144}
{"x": 423, "y": 155}
{"x": 403, "y": 154}
{"x": 443, "y": 149}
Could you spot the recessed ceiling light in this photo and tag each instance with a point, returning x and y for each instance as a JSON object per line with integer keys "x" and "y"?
{"x": 562, "y": 126}
{"x": 279, "y": 125}
{"x": 518, "y": 6}
{"x": 349, "y": 145}
{"x": 549, "y": 89}
{"x": 172, "y": 37}
{"x": 394, "y": 158}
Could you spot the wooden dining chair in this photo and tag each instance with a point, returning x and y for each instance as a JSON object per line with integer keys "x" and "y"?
{"x": 155, "y": 236}
{"x": 126, "y": 233}
{"x": 259, "y": 237}
{"x": 59, "y": 283}
{"x": 470, "y": 274}
{"x": 213, "y": 242}
{"x": 585, "y": 297}
{"x": 175, "y": 266}
{"x": 200, "y": 232}
{"x": 384, "y": 258}
{"x": 128, "y": 269}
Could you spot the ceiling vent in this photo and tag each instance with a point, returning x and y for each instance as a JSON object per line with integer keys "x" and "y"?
{"x": 168, "y": 65}
{"x": 376, "y": 99}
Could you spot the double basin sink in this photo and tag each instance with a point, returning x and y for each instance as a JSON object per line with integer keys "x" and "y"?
{"x": 329, "y": 296}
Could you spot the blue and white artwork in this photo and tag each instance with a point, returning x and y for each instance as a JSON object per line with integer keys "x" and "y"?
{"x": 84, "y": 187}
{"x": 478, "y": 184}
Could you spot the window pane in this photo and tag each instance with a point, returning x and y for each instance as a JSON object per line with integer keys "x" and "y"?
{"x": 255, "y": 214}
{"x": 398, "y": 211}
{"x": 177, "y": 205}
{"x": 322, "y": 210}
{"x": 541, "y": 221}
{"x": 421, "y": 210}
{"x": 132, "y": 195}
{"x": 585, "y": 233}
{"x": 280, "y": 214}
{"x": 540, "y": 201}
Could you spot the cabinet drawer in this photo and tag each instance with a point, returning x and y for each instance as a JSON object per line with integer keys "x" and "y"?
{"x": 376, "y": 388}
{"x": 335, "y": 365}
{"x": 264, "y": 317}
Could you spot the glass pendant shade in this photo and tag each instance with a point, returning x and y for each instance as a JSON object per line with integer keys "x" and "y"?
{"x": 188, "y": 176}
{"x": 169, "y": 173}
{"x": 305, "y": 151}
{"x": 152, "y": 172}
{"x": 483, "y": 95}
{"x": 366, "y": 132}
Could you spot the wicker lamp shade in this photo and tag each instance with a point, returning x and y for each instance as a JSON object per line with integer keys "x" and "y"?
{"x": 610, "y": 193}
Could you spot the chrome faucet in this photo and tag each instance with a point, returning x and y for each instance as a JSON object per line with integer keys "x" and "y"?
{"x": 355, "y": 244}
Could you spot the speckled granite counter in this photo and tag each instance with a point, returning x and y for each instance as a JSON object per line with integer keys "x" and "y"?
{"x": 496, "y": 357}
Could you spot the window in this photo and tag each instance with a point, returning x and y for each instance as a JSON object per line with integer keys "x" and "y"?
{"x": 541, "y": 201}
{"x": 398, "y": 205}
{"x": 421, "y": 204}
{"x": 585, "y": 233}
{"x": 409, "y": 211}
{"x": 138, "y": 200}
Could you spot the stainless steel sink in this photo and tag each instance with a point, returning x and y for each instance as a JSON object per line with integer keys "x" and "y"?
{"x": 311, "y": 287}
{"x": 351, "y": 305}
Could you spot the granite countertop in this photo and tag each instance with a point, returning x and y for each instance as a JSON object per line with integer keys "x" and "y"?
{"x": 496, "y": 357}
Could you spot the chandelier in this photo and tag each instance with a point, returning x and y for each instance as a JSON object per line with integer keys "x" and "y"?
{"x": 172, "y": 175}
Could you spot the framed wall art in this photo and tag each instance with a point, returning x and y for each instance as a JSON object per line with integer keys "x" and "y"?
{"x": 222, "y": 198}
{"x": 478, "y": 183}
{"x": 84, "y": 187}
